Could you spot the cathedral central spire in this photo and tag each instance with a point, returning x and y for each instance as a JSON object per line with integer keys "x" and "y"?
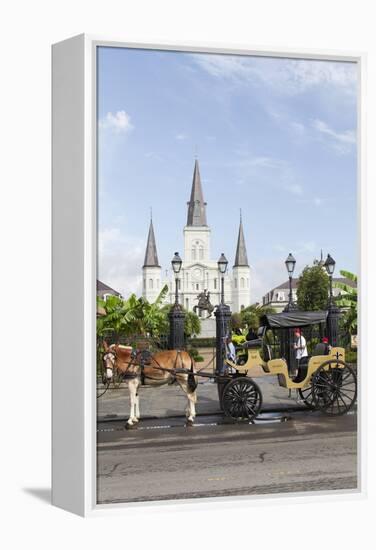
{"x": 196, "y": 205}
{"x": 241, "y": 258}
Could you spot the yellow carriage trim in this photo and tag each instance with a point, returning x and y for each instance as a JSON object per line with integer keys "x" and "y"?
{"x": 278, "y": 367}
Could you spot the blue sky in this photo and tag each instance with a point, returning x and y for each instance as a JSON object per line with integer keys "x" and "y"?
{"x": 275, "y": 137}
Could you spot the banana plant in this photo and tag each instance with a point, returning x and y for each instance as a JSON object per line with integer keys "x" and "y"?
{"x": 349, "y": 301}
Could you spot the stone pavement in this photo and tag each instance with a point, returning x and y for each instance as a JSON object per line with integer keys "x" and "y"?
{"x": 168, "y": 401}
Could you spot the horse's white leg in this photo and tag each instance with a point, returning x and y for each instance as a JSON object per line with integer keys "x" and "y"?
{"x": 191, "y": 409}
{"x": 137, "y": 403}
{"x": 132, "y": 386}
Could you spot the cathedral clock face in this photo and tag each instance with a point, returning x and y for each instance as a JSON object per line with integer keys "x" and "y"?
{"x": 197, "y": 273}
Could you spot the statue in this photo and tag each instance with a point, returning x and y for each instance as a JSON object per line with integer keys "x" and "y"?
{"x": 204, "y": 303}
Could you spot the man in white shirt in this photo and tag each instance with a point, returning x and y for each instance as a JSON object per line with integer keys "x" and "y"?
{"x": 300, "y": 345}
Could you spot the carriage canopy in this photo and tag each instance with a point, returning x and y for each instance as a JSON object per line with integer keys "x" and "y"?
{"x": 293, "y": 319}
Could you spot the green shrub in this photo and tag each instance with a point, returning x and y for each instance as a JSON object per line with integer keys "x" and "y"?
{"x": 351, "y": 356}
{"x": 201, "y": 342}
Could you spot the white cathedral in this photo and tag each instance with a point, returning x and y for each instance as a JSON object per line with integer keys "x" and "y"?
{"x": 199, "y": 271}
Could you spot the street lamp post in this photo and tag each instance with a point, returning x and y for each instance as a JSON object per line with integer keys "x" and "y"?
{"x": 176, "y": 314}
{"x": 290, "y": 266}
{"x": 333, "y": 311}
{"x": 222, "y": 268}
{"x": 288, "y": 350}
{"x": 223, "y": 317}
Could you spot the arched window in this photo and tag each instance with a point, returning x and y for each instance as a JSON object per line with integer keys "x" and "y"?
{"x": 144, "y": 284}
{"x": 193, "y": 252}
{"x": 236, "y": 282}
{"x": 150, "y": 283}
{"x": 201, "y": 253}
{"x": 242, "y": 282}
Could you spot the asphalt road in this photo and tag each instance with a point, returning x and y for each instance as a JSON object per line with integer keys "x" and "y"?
{"x": 301, "y": 451}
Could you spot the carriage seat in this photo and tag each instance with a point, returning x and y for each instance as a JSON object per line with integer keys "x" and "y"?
{"x": 250, "y": 344}
{"x": 321, "y": 349}
{"x": 302, "y": 369}
{"x": 267, "y": 353}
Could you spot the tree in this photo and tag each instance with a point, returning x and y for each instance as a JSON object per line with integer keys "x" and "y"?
{"x": 236, "y": 321}
{"x": 132, "y": 316}
{"x": 348, "y": 300}
{"x": 313, "y": 288}
{"x": 252, "y": 314}
{"x": 192, "y": 323}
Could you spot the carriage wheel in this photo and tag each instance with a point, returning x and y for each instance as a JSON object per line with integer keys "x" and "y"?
{"x": 334, "y": 388}
{"x": 242, "y": 399}
{"x": 306, "y": 395}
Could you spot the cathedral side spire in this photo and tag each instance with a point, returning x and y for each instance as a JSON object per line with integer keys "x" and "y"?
{"x": 151, "y": 255}
{"x": 196, "y": 205}
{"x": 241, "y": 258}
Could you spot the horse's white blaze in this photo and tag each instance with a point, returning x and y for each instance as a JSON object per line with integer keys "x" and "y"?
{"x": 109, "y": 373}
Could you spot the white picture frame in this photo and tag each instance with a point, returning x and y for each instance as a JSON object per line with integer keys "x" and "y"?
{"x": 74, "y": 264}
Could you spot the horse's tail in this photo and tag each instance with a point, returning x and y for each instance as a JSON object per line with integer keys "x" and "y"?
{"x": 192, "y": 380}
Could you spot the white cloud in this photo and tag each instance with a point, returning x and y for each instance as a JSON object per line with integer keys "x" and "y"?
{"x": 181, "y": 137}
{"x": 348, "y": 136}
{"x": 286, "y": 121}
{"x": 294, "y": 188}
{"x": 119, "y": 122}
{"x": 120, "y": 258}
{"x": 298, "y": 127}
{"x": 289, "y": 76}
{"x": 342, "y": 142}
{"x": 266, "y": 274}
{"x": 246, "y": 159}
{"x": 251, "y": 166}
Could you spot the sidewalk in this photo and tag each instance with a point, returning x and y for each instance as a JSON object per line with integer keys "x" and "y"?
{"x": 170, "y": 400}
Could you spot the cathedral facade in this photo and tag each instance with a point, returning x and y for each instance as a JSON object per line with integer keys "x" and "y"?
{"x": 199, "y": 272}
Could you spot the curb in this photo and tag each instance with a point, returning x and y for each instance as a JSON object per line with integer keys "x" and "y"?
{"x": 115, "y": 418}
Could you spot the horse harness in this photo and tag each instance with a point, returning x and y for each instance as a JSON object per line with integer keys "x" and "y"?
{"x": 144, "y": 357}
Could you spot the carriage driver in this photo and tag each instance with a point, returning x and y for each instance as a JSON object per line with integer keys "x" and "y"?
{"x": 300, "y": 345}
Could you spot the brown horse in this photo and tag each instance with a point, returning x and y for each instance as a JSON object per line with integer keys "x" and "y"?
{"x": 163, "y": 367}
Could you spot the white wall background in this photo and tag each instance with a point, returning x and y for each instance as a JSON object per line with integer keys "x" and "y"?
{"x": 27, "y": 31}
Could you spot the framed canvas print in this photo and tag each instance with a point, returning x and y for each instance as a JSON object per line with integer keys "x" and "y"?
{"x": 206, "y": 272}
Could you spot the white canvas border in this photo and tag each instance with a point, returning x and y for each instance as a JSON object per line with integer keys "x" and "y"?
{"x": 87, "y": 465}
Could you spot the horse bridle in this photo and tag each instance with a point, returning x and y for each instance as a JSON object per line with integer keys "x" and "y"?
{"x": 111, "y": 353}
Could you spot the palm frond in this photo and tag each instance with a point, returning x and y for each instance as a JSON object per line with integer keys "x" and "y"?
{"x": 349, "y": 275}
